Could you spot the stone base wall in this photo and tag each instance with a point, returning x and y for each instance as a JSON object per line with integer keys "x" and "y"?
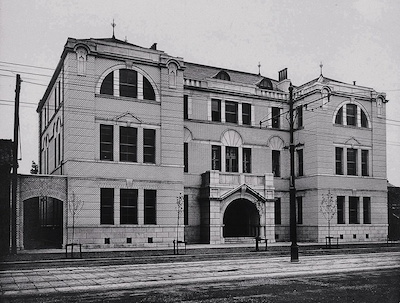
{"x": 355, "y": 233}
{"x": 119, "y": 236}
{"x": 192, "y": 234}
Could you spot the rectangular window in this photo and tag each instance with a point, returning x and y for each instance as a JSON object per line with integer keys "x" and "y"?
{"x": 216, "y": 157}
{"x": 300, "y": 162}
{"x": 299, "y": 210}
{"x": 231, "y": 112}
{"x": 127, "y": 144}
{"x": 364, "y": 119}
{"x": 246, "y": 114}
{"x": 352, "y": 162}
{"x": 150, "y": 202}
{"x": 299, "y": 111}
{"x": 149, "y": 146}
{"x": 106, "y": 142}
{"x": 351, "y": 114}
{"x": 128, "y": 206}
{"x": 276, "y": 163}
{"x": 185, "y": 157}
{"x": 276, "y": 117}
{"x": 247, "y": 160}
{"x": 185, "y": 107}
{"x": 353, "y": 210}
{"x": 364, "y": 163}
{"x": 340, "y": 209}
{"x": 216, "y": 110}
{"x": 127, "y": 83}
{"x": 106, "y": 205}
{"x": 339, "y": 160}
{"x": 278, "y": 212}
{"x": 367, "y": 210}
{"x": 186, "y": 210}
{"x": 231, "y": 159}
{"x": 59, "y": 148}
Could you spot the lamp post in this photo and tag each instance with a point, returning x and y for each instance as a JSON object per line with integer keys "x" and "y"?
{"x": 294, "y": 248}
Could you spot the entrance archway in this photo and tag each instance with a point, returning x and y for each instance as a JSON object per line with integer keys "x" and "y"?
{"x": 241, "y": 219}
{"x": 43, "y": 223}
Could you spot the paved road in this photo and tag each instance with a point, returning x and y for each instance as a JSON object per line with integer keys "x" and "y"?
{"x": 36, "y": 282}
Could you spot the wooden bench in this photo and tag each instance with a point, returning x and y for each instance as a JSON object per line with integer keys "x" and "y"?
{"x": 258, "y": 240}
{"x": 72, "y": 249}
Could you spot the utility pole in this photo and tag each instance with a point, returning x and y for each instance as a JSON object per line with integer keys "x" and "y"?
{"x": 294, "y": 248}
{"x": 15, "y": 168}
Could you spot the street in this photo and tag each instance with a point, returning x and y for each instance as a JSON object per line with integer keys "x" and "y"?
{"x": 337, "y": 278}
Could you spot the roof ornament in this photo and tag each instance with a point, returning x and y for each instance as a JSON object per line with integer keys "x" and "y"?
{"x": 113, "y": 26}
{"x": 320, "y": 66}
{"x": 259, "y": 68}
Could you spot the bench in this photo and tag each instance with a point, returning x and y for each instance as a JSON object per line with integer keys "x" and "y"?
{"x": 176, "y": 246}
{"x": 328, "y": 242}
{"x": 72, "y": 249}
{"x": 259, "y": 240}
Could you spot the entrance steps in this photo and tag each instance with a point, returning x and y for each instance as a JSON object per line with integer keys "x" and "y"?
{"x": 239, "y": 240}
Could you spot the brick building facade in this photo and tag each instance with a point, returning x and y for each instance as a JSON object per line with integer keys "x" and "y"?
{"x": 143, "y": 138}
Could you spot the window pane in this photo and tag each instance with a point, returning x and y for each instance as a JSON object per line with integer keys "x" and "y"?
{"x": 149, "y": 206}
{"x": 247, "y": 160}
{"x": 128, "y": 208}
{"x": 352, "y": 162}
{"x": 127, "y": 83}
{"x": 216, "y": 157}
{"x": 106, "y": 206}
{"x": 367, "y": 210}
{"x": 299, "y": 210}
{"x": 351, "y": 114}
{"x": 185, "y": 157}
{"x": 339, "y": 116}
{"x": 106, "y": 142}
{"x": 216, "y": 110}
{"x": 276, "y": 163}
{"x": 340, "y": 209}
{"x": 364, "y": 120}
{"x": 299, "y": 116}
{"x": 364, "y": 162}
{"x": 278, "y": 211}
{"x": 246, "y": 114}
{"x": 107, "y": 87}
{"x": 276, "y": 112}
{"x": 353, "y": 210}
{"x": 232, "y": 159}
{"x": 127, "y": 144}
{"x": 300, "y": 161}
{"x": 185, "y": 107}
{"x": 149, "y": 146}
{"x": 339, "y": 160}
{"x": 186, "y": 209}
{"x": 231, "y": 112}
{"x": 148, "y": 91}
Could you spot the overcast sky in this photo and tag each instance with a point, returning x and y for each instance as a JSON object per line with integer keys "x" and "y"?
{"x": 355, "y": 41}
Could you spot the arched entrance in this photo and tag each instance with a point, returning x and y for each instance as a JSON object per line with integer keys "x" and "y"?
{"x": 43, "y": 223}
{"x": 241, "y": 219}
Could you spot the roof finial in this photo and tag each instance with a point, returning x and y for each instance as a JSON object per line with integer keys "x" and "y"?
{"x": 320, "y": 66}
{"x": 113, "y": 26}
{"x": 259, "y": 68}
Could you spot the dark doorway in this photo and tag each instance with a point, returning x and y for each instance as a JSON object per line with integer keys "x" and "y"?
{"x": 43, "y": 223}
{"x": 241, "y": 219}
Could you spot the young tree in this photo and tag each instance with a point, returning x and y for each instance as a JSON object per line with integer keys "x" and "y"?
{"x": 328, "y": 209}
{"x": 74, "y": 207}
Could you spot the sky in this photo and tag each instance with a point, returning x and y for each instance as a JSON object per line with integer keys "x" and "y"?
{"x": 356, "y": 40}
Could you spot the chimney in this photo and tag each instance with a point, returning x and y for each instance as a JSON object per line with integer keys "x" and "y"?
{"x": 283, "y": 74}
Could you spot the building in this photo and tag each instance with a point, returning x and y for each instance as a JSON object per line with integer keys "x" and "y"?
{"x": 145, "y": 148}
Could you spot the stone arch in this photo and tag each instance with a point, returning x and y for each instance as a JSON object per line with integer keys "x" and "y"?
{"x": 358, "y": 104}
{"x": 187, "y": 136}
{"x": 275, "y": 143}
{"x": 231, "y": 137}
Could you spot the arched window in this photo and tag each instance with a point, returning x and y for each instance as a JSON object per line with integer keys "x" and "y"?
{"x": 223, "y": 75}
{"x": 351, "y": 114}
{"x": 127, "y": 83}
{"x": 265, "y": 83}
